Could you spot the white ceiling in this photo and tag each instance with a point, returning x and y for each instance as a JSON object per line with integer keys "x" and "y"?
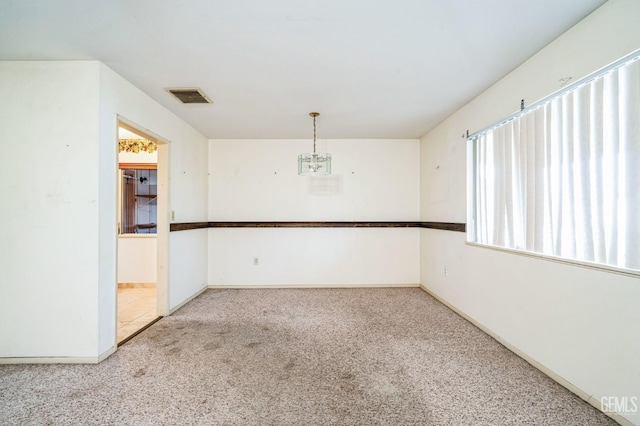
{"x": 372, "y": 68}
{"x": 127, "y": 134}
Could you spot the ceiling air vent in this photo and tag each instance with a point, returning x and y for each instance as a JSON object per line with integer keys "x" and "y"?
{"x": 190, "y": 95}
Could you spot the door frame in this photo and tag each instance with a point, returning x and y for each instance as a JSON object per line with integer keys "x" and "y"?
{"x": 163, "y": 220}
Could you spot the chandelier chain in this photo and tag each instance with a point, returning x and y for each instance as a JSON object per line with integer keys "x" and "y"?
{"x": 314, "y": 163}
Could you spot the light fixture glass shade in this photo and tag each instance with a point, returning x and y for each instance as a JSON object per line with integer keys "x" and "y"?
{"x": 316, "y": 163}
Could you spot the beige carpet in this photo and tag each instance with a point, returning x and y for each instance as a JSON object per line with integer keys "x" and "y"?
{"x": 298, "y": 357}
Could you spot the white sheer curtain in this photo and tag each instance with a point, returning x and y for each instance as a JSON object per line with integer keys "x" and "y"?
{"x": 564, "y": 179}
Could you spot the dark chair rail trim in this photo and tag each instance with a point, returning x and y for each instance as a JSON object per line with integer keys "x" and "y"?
{"x": 447, "y": 226}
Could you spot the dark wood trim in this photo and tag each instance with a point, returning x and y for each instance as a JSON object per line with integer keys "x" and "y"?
{"x": 312, "y": 224}
{"x": 146, "y": 166}
{"x": 135, "y": 333}
{"x": 187, "y": 226}
{"x": 447, "y": 226}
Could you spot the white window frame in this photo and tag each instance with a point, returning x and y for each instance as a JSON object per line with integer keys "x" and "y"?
{"x": 472, "y": 196}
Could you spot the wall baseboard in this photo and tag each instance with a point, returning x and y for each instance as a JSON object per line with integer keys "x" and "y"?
{"x": 312, "y": 286}
{"x": 60, "y": 359}
{"x": 51, "y": 360}
{"x": 106, "y": 354}
{"x": 187, "y": 300}
{"x": 592, "y": 400}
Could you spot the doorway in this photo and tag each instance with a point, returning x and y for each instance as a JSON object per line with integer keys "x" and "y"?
{"x": 141, "y": 256}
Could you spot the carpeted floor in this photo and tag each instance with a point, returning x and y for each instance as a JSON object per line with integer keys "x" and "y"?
{"x": 298, "y": 357}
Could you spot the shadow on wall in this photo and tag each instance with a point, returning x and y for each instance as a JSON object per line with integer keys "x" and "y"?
{"x": 325, "y": 185}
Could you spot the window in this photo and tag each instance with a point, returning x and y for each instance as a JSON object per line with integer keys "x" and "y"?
{"x": 562, "y": 178}
{"x": 138, "y": 211}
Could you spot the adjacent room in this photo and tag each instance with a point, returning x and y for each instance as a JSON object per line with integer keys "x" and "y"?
{"x": 137, "y": 232}
{"x": 287, "y": 212}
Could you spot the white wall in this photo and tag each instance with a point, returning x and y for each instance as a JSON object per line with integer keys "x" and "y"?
{"x": 138, "y": 157}
{"x": 257, "y": 180}
{"x": 187, "y": 192}
{"x": 137, "y": 259}
{"x": 59, "y": 187}
{"x": 579, "y": 323}
{"x": 48, "y": 184}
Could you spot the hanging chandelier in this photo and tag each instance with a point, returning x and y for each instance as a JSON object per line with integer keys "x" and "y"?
{"x": 315, "y": 163}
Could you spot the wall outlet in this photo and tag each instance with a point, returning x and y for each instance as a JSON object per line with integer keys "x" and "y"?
{"x": 256, "y": 261}
{"x": 445, "y": 271}
{"x": 173, "y": 215}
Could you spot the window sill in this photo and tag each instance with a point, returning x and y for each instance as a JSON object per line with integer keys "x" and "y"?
{"x": 604, "y": 268}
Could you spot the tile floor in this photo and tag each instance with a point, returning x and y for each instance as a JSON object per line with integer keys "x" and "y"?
{"x": 136, "y": 308}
